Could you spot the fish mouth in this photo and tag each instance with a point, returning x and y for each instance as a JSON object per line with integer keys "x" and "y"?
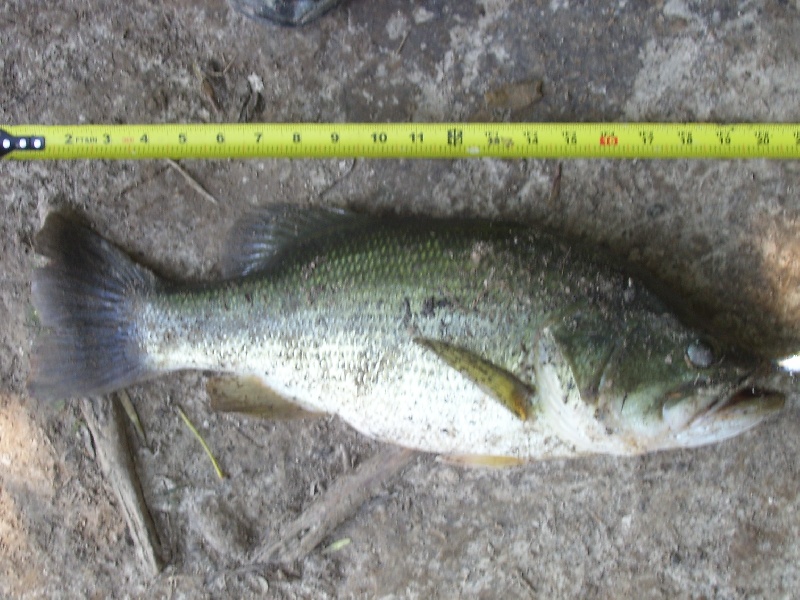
{"x": 749, "y": 395}
{"x": 731, "y": 414}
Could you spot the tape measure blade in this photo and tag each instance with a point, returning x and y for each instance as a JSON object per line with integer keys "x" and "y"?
{"x": 402, "y": 140}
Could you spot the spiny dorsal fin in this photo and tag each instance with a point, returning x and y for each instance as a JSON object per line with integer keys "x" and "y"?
{"x": 259, "y": 240}
{"x": 250, "y": 396}
{"x": 496, "y": 381}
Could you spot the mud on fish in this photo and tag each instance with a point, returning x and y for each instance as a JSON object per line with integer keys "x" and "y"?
{"x": 491, "y": 342}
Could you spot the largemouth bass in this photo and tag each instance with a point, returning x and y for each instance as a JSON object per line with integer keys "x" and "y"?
{"x": 488, "y": 341}
{"x": 285, "y": 12}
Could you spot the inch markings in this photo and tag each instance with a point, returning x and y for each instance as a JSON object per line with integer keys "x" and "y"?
{"x": 401, "y": 140}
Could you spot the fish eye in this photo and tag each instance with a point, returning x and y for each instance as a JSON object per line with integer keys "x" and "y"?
{"x": 700, "y": 355}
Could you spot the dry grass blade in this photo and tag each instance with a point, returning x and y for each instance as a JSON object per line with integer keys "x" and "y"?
{"x": 337, "y": 545}
{"x": 193, "y": 429}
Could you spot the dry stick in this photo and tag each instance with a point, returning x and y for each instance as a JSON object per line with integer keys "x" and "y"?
{"x": 402, "y": 42}
{"x": 337, "y": 504}
{"x": 339, "y": 180}
{"x": 106, "y": 421}
{"x": 555, "y": 187}
{"x": 133, "y": 416}
{"x": 193, "y": 183}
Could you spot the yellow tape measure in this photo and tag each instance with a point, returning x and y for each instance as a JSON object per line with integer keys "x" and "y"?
{"x": 402, "y": 140}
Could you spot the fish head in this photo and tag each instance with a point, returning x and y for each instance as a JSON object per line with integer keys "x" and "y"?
{"x": 643, "y": 381}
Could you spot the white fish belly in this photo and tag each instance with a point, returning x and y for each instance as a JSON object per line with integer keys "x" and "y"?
{"x": 412, "y": 398}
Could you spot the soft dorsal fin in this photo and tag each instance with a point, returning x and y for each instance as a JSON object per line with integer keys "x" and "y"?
{"x": 504, "y": 386}
{"x": 259, "y": 240}
{"x": 251, "y": 396}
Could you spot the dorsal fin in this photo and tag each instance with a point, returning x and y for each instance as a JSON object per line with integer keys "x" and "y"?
{"x": 259, "y": 240}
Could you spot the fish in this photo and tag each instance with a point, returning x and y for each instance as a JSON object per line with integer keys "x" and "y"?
{"x": 293, "y": 13}
{"x": 488, "y": 343}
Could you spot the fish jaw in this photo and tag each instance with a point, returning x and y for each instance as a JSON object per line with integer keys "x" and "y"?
{"x": 737, "y": 412}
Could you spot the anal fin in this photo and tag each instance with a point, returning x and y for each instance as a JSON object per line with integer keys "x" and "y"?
{"x": 251, "y": 396}
{"x": 479, "y": 460}
{"x": 495, "y": 381}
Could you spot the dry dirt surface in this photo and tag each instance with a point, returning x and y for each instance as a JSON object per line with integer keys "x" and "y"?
{"x": 717, "y": 522}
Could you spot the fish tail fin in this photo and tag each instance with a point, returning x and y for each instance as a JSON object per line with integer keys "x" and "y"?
{"x": 85, "y": 300}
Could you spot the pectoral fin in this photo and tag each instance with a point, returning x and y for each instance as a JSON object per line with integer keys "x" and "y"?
{"x": 250, "y": 396}
{"x": 495, "y": 381}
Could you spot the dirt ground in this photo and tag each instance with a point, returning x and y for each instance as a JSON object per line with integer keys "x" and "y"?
{"x": 717, "y": 522}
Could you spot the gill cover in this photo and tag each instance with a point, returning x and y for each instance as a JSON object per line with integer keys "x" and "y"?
{"x": 638, "y": 381}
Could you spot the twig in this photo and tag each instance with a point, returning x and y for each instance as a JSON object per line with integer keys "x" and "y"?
{"x": 225, "y": 69}
{"x": 141, "y": 181}
{"x": 339, "y": 180}
{"x": 526, "y": 583}
{"x": 555, "y": 188}
{"x": 130, "y": 410}
{"x": 106, "y": 422}
{"x": 340, "y": 502}
{"x": 402, "y": 42}
{"x": 193, "y": 183}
